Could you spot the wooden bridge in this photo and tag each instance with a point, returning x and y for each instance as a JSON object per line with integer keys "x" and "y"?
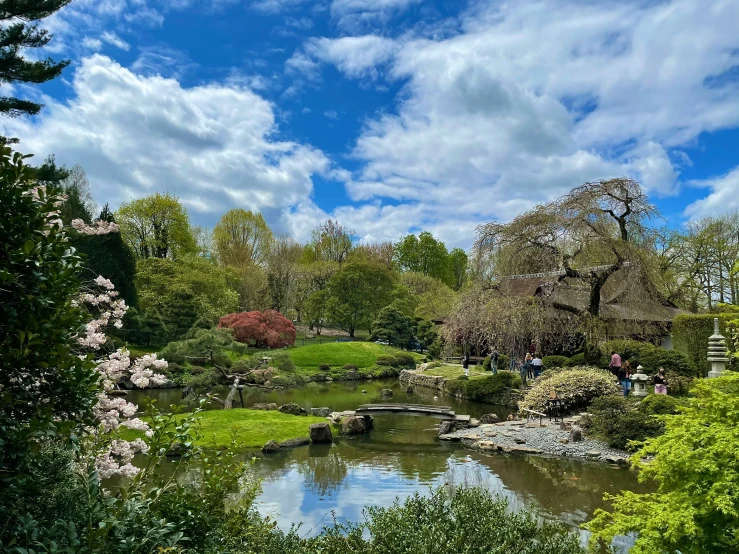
{"x": 443, "y": 412}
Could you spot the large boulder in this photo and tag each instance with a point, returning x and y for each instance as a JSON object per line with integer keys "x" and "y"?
{"x": 320, "y": 412}
{"x": 575, "y": 434}
{"x": 264, "y": 406}
{"x": 261, "y": 376}
{"x": 320, "y": 433}
{"x": 293, "y": 409}
{"x": 446, "y": 427}
{"x": 487, "y": 419}
{"x": 353, "y": 425}
{"x": 270, "y": 447}
{"x": 292, "y": 443}
{"x": 386, "y": 392}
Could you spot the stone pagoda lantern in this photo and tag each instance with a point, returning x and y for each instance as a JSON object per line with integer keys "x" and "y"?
{"x": 639, "y": 383}
{"x": 717, "y": 352}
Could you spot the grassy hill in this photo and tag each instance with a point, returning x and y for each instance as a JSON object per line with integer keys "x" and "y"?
{"x": 338, "y": 354}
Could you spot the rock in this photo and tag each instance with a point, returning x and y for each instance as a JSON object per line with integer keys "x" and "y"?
{"x": 518, "y": 440}
{"x": 451, "y": 438}
{"x": 386, "y": 392}
{"x": 320, "y": 412}
{"x": 353, "y": 425}
{"x": 563, "y": 441}
{"x": 321, "y": 433}
{"x": 619, "y": 460}
{"x": 409, "y": 389}
{"x": 320, "y": 378}
{"x": 270, "y": 447}
{"x": 300, "y": 441}
{"x": 593, "y": 454}
{"x": 575, "y": 434}
{"x": 351, "y": 375}
{"x": 487, "y": 446}
{"x": 364, "y": 392}
{"x": 524, "y": 450}
{"x": 293, "y": 409}
{"x": 260, "y": 376}
{"x": 446, "y": 427}
{"x": 265, "y": 406}
{"x": 489, "y": 418}
{"x": 474, "y": 422}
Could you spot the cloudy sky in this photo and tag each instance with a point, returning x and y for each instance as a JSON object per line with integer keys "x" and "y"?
{"x": 393, "y": 116}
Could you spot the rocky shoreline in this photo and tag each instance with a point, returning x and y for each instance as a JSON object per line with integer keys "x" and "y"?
{"x": 547, "y": 438}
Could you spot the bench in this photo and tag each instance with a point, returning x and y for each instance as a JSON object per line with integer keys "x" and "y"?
{"x": 531, "y": 415}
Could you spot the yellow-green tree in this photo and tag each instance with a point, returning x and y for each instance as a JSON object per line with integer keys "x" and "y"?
{"x": 242, "y": 237}
{"x": 156, "y": 226}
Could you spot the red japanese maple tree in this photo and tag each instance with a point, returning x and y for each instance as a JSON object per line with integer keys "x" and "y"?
{"x": 268, "y": 328}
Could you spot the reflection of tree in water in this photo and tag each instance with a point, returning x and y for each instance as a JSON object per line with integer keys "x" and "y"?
{"x": 324, "y": 474}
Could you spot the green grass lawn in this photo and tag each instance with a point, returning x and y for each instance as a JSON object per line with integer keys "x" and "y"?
{"x": 454, "y": 371}
{"x": 253, "y": 428}
{"x": 338, "y": 354}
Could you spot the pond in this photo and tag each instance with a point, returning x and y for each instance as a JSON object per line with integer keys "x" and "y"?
{"x": 402, "y": 455}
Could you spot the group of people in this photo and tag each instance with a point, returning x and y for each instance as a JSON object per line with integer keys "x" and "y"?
{"x": 623, "y": 372}
{"x": 529, "y": 368}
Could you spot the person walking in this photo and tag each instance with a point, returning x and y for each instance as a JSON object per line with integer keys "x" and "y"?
{"x": 538, "y": 365}
{"x": 494, "y": 360}
{"x": 623, "y": 377}
{"x": 660, "y": 382}
{"x": 523, "y": 369}
{"x": 466, "y": 364}
{"x": 615, "y": 365}
{"x": 527, "y": 366}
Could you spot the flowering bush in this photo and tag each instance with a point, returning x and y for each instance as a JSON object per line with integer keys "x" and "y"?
{"x": 576, "y": 388}
{"x": 268, "y": 328}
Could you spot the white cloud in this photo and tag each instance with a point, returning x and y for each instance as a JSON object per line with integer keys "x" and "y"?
{"x": 331, "y": 114}
{"x": 301, "y": 65}
{"x": 303, "y": 23}
{"x": 354, "y": 14}
{"x": 533, "y": 98}
{"x": 92, "y": 43}
{"x": 724, "y": 196}
{"x": 355, "y": 56}
{"x": 276, "y": 6}
{"x": 214, "y": 146}
{"x": 113, "y": 39}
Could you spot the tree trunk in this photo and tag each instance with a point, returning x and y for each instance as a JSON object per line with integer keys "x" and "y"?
{"x": 231, "y": 394}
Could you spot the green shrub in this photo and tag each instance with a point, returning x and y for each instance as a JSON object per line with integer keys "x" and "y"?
{"x": 405, "y": 360}
{"x": 282, "y": 362}
{"x": 198, "y": 349}
{"x": 576, "y": 388}
{"x": 503, "y": 361}
{"x": 350, "y": 367}
{"x": 554, "y": 361}
{"x": 619, "y": 421}
{"x": 674, "y": 362}
{"x": 485, "y": 389}
{"x": 578, "y": 360}
{"x": 678, "y": 385}
{"x": 324, "y": 367}
{"x": 246, "y": 364}
{"x": 487, "y": 364}
{"x": 659, "y": 404}
{"x": 387, "y": 361}
{"x": 627, "y": 349}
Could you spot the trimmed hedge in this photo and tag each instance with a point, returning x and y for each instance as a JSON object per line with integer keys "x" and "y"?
{"x": 485, "y": 389}
{"x": 578, "y": 360}
{"x": 390, "y": 361}
{"x": 690, "y": 335}
{"x": 554, "y": 361}
{"x": 405, "y": 360}
{"x": 652, "y": 357}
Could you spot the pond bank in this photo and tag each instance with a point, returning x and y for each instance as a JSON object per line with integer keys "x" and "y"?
{"x": 548, "y": 439}
{"x": 489, "y": 389}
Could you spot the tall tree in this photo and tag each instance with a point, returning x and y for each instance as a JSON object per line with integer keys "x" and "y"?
{"x": 156, "y": 226}
{"x": 79, "y": 203}
{"x": 18, "y": 34}
{"x": 458, "y": 264}
{"x": 357, "y": 293}
{"x": 426, "y": 255}
{"x": 375, "y": 252}
{"x": 242, "y": 237}
{"x": 332, "y": 242}
{"x": 281, "y": 265}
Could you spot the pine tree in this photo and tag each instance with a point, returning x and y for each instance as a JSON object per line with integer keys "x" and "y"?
{"x": 17, "y": 33}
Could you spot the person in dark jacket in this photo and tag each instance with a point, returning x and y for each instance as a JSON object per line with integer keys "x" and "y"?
{"x": 466, "y": 364}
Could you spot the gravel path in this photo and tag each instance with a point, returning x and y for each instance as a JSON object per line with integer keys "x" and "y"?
{"x": 517, "y": 436}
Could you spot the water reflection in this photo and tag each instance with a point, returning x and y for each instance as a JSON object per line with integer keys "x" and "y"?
{"x": 402, "y": 455}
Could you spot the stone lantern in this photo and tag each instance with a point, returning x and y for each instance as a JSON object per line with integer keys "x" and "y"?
{"x": 639, "y": 383}
{"x": 717, "y": 352}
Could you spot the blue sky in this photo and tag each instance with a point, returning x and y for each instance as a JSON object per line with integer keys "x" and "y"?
{"x": 393, "y": 115}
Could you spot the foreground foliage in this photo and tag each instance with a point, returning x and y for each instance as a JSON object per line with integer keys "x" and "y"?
{"x": 696, "y": 506}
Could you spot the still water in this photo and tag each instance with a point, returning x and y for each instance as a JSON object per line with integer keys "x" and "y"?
{"x": 402, "y": 455}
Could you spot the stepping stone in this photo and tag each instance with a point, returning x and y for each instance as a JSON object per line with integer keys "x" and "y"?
{"x": 519, "y": 441}
{"x": 524, "y": 450}
{"x": 593, "y": 454}
{"x": 450, "y": 438}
